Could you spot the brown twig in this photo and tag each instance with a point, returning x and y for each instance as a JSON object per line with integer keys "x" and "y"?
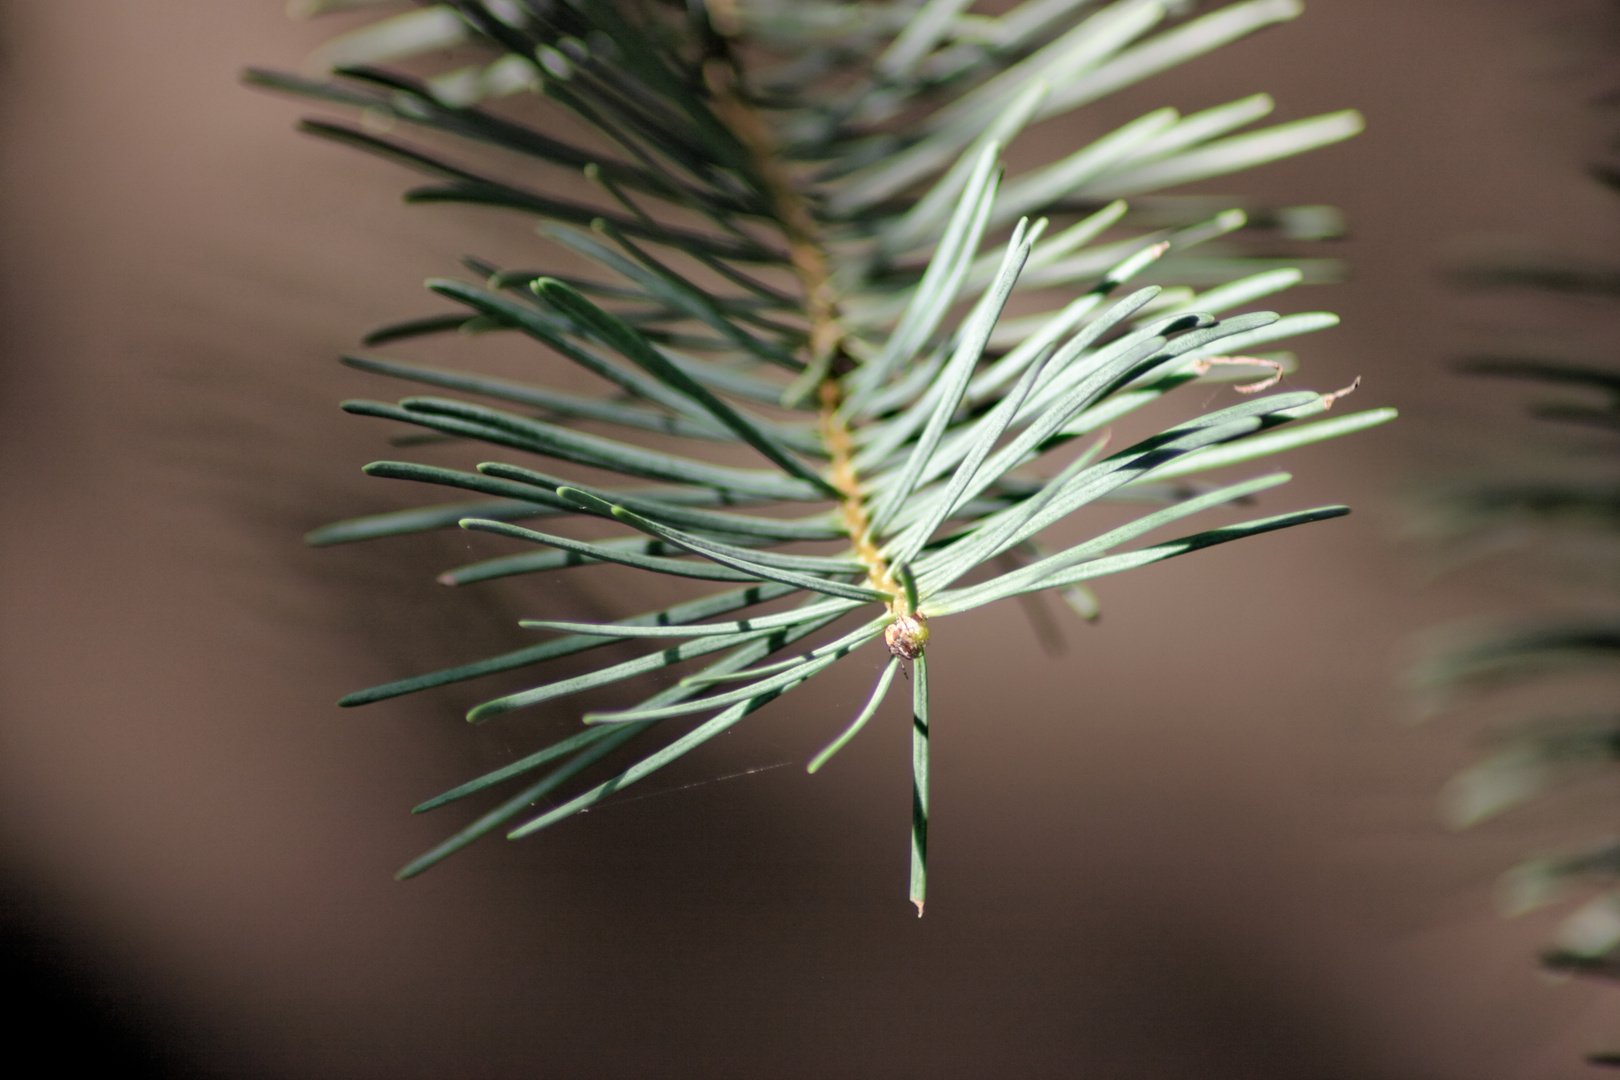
{"x": 826, "y": 338}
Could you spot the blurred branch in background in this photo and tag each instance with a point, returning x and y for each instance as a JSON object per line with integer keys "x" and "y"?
{"x": 1555, "y": 500}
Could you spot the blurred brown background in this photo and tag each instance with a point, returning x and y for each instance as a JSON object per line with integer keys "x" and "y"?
{"x": 1199, "y": 843}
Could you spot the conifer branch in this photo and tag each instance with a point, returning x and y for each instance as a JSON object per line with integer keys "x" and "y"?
{"x": 926, "y": 434}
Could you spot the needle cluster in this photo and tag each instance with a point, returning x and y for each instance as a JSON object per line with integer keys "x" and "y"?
{"x": 806, "y": 244}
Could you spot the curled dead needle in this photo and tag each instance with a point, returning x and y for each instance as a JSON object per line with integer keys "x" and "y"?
{"x": 1201, "y": 367}
{"x": 1329, "y": 399}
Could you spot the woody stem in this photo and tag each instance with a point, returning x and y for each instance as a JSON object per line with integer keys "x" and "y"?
{"x": 810, "y": 264}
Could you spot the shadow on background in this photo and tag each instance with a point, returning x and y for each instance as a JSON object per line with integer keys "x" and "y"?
{"x": 66, "y": 1008}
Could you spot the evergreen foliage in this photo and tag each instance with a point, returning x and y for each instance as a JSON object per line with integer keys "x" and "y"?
{"x": 805, "y": 247}
{"x": 1578, "y": 499}
{"x": 1566, "y": 503}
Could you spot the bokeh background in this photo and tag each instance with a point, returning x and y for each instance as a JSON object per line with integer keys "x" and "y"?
{"x": 1199, "y": 842}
